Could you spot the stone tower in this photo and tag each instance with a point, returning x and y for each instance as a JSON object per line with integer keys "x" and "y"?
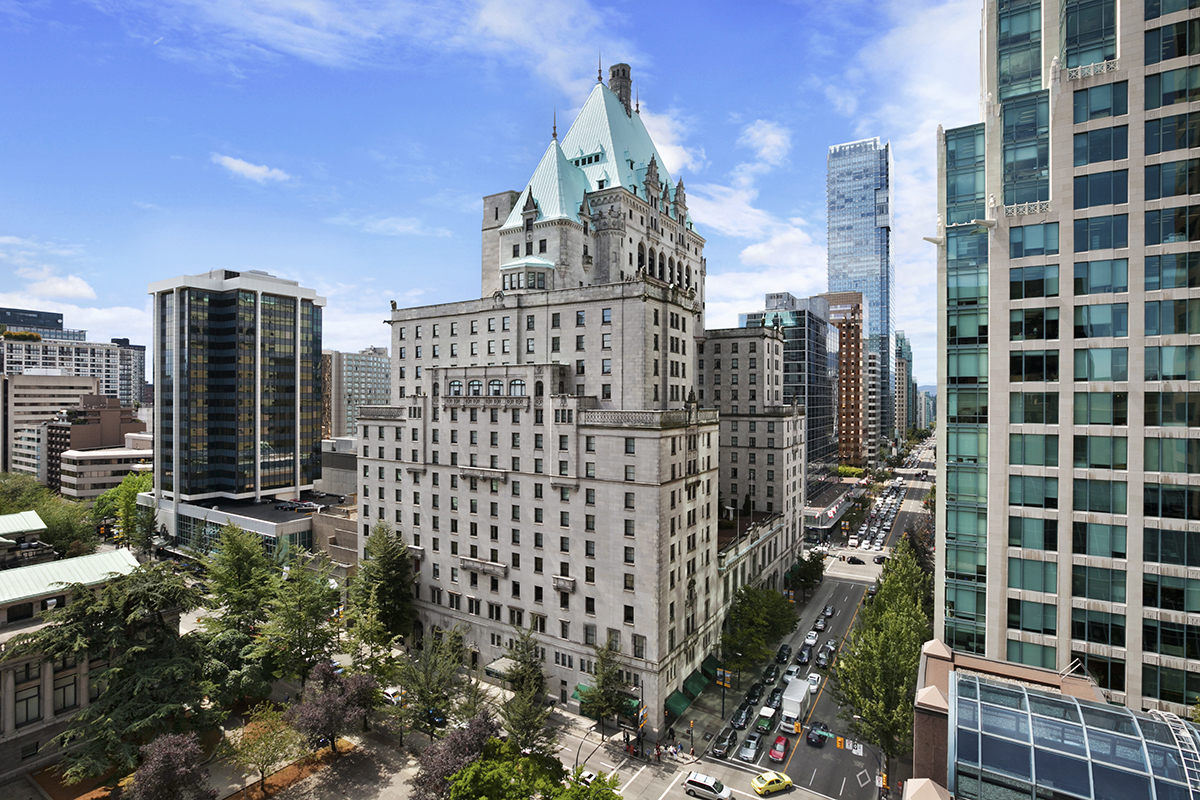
{"x": 620, "y": 84}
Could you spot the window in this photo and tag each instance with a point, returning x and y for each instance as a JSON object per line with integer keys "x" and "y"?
{"x": 628, "y": 615}
{"x": 1095, "y": 277}
{"x": 1033, "y": 491}
{"x": 1033, "y": 534}
{"x": 1173, "y": 362}
{"x": 1098, "y": 583}
{"x": 1029, "y": 282}
{"x": 1171, "y": 501}
{"x": 28, "y": 705}
{"x": 1100, "y": 496}
{"x": 1102, "y": 364}
{"x": 1165, "y": 317}
{"x": 1172, "y": 86}
{"x": 1034, "y": 576}
{"x": 1173, "y": 179}
{"x": 1171, "y": 547}
{"x": 1100, "y": 627}
{"x": 629, "y": 581}
{"x": 1034, "y": 408}
{"x": 1101, "y": 452}
{"x": 1033, "y": 240}
{"x": 1173, "y": 271}
{"x": 1180, "y": 132}
{"x": 1109, "y": 100}
{"x": 580, "y": 318}
{"x": 1032, "y": 324}
{"x": 1097, "y": 539}
{"x": 1104, "y": 188}
{"x": 1101, "y": 408}
{"x": 1024, "y": 615}
{"x": 629, "y": 445}
{"x": 1033, "y": 449}
{"x": 1105, "y": 144}
{"x": 1172, "y": 455}
{"x": 629, "y": 555}
{"x": 1172, "y": 409}
{"x": 606, "y": 316}
{"x": 1033, "y": 365}
{"x": 1104, "y": 233}
{"x": 1173, "y": 225}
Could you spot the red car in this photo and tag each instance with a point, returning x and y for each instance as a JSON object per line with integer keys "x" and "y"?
{"x": 778, "y": 751}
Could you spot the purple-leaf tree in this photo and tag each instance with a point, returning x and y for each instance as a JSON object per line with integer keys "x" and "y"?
{"x": 331, "y": 705}
{"x": 442, "y": 759}
{"x": 170, "y": 770}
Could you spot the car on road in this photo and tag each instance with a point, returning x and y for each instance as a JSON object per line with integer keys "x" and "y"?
{"x": 784, "y": 655}
{"x": 750, "y": 747}
{"x": 778, "y": 751}
{"x": 741, "y": 717}
{"x": 775, "y": 698}
{"x": 828, "y": 611}
{"x": 872, "y": 590}
{"x": 705, "y": 787}
{"x": 725, "y": 743}
{"x": 791, "y": 673}
{"x": 819, "y": 625}
{"x": 814, "y": 681}
{"x": 811, "y": 638}
{"x": 855, "y": 560}
{"x": 805, "y": 654}
{"x": 586, "y": 777}
{"x": 766, "y": 720}
{"x": 818, "y": 733}
{"x": 880, "y": 559}
{"x": 823, "y": 658}
{"x": 770, "y": 782}
{"x": 754, "y": 693}
{"x": 394, "y": 695}
{"x": 770, "y": 675}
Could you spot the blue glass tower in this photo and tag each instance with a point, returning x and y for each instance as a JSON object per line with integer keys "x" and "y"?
{"x": 859, "y": 232}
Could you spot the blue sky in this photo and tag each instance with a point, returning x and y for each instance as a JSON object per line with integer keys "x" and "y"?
{"x": 347, "y": 145}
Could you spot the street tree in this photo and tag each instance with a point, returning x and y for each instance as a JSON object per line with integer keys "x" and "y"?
{"x": 265, "y": 743}
{"x": 431, "y": 677}
{"x": 331, "y": 705}
{"x": 171, "y": 770}
{"x": 369, "y": 642}
{"x": 145, "y": 525}
{"x": 69, "y": 528}
{"x": 241, "y": 579}
{"x": 757, "y": 619}
{"x": 608, "y": 697}
{"x": 473, "y": 698}
{"x": 298, "y": 632}
{"x": 808, "y": 572}
{"x": 231, "y": 670}
{"x": 524, "y": 716}
{"x": 525, "y": 674}
{"x": 150, "y": 675}
{"x": 441, "y": 760}
{"x": 385, "y": 576}
{"x": 602, "y": 787}
{"x": 504, "y": 772}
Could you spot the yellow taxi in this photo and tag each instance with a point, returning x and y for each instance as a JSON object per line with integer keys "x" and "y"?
{"x": 770, "y": 782}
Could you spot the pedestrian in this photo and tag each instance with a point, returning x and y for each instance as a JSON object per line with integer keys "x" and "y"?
{"x": 671, "y": 733}
{"x": 693, "y": 751}
{"x": 287, "y": 698}
{"x": 657, "y": 753}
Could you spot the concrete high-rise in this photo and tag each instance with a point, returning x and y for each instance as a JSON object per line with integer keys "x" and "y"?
{"x": 906, "y": 388}
{"x": 350, "y": 381}
{"x": 859, "y": 232}
{"x": 1068, "y": 275}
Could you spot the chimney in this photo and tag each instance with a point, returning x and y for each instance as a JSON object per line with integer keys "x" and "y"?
{"x": 620, "y": 84}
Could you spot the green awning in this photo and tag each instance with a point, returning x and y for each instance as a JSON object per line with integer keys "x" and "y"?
{"x": 631, "y": 706}
{"x": 695, "y": 683}
{"x": 677, "y": 703}
{"x": 578, "y": 693}
{"x": 710, "y": 667}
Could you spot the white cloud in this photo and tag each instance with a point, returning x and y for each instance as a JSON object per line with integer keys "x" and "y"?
{"x": 255, "y": 172}
{"x": 669, "y": 130}
{"x": 28, "y": 261}
{"x": 70, "y": 287}
{"x": 387, "y": 226}
{"x": 770, "y": 141}
{"x": 101, "y": 324}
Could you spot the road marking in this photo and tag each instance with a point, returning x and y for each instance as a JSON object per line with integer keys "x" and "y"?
{"x": 621, "y": 789}
{"x": 669, "y": 785}
{"x": 843, "y": 789}
{"x": 606, "y": 764}
{"x": 739, "y": 791}
{"x": 813, "y": 778}
{"x": 842, "y": 644}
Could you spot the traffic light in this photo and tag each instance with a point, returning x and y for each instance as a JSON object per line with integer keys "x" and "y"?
{"x": 692, "y": 724}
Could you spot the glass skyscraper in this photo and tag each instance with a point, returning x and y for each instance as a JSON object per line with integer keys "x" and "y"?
{"x": 1067, "y": 247}
{"x": 859, "y": 231}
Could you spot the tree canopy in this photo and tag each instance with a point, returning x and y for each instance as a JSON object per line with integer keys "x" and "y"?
{"x": 241, "y": 579}
{"x": 69, "y": 527}
{"x": 431, "y": 677}
{"x": 609, "y": 695}
{"x": 171, "y": 770}
{"x": 150, "y": 675}
{"x": 385, "y": 579}
{"x": 298, "y": 631}
{"x": 758, "y": 617}
{"x": 441, "y": 760}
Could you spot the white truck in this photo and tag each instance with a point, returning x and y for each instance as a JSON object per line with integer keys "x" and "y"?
{"x": 796, "y": 698}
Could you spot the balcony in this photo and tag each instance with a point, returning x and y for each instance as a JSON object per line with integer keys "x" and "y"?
{"x": 486, "y": 567}
{"x": 1088, "y": 70}
{"x": 677, "y": 418}
{"x": 484, "y": 473}
{"x": 564, "y": 584}
{"x": 485, "y": 401}
{"x": 1021, "y": 209}
{"x": 416, "y": 552}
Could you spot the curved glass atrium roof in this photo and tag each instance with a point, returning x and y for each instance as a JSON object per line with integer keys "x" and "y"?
{"x": 1010, "y": 742}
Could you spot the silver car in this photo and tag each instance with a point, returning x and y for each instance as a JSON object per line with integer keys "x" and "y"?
{"x": 750, "y": 748}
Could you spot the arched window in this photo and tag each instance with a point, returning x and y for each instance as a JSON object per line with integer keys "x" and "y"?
{"x": 495, "y": 388}
{"x": 662, "y": 267}
{"x": 688, "y": 276}
{"x": 455, "y": 388}
{"x": 641, "y": 255}
{"x": 516, "y": 388}
{"x": 437, "y": 389}
{"x": 475, "y": 388}
{"x": 537, "y": 389}
{"x": 650, "y": 266}
{"x": 562, "y": 387}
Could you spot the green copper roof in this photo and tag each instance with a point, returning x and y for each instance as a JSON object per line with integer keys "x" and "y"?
{"x": 40, "y": 580}
{"x": 22, "y": 522}
{"x": 618, "y": 147}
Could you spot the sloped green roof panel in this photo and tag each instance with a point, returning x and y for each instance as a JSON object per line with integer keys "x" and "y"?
{"x": 40, "y": 580}
{"x": 710, "y": 667}
{"x": 694, "y": 684}
{"x": 677, "y": 703}
{"x": 558, "y": 187}
{"x": 22, "y": 522}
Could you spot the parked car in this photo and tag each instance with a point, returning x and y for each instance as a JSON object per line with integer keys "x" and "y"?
{"x": 770, "y": 675}
{"x": 855, "y": 560}
{"x": 880, "y": 559}
{"x": 754, "y": 693}
{"x": 818, "y": 733}
{"x": 741, "y": 717}
{"x": 725, "y": 743}
{"x": 784, "y": 655}
{"x": 750, "y": 747}
{"x": 778, "y": 751}
{"x": 775, "y": 698}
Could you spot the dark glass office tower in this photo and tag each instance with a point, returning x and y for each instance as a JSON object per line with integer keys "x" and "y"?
{"x": 237, "y": 383}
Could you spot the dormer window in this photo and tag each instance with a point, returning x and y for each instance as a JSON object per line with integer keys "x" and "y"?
{"x": 600, "y": 184}
{"x": 529, "y": 223}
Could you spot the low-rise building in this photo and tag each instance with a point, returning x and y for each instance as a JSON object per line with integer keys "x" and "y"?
{"x": 28, "y": 401}
{"x": 38, "y": 697}
{"x": 21, "y": 540}
{"x": 96, "y": 422}
{"x": 87, "y": 474}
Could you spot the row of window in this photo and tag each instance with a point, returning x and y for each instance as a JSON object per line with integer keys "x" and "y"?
{"x": 1165, "y": 363}
{"x": 506, "y": 324}
{"x": 1170, "y": 271}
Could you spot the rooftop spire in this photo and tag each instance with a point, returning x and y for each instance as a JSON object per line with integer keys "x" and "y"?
{"x": 554, "y": 131}
{"x": 637, "y": 104}
{"x": 599, "y": 68}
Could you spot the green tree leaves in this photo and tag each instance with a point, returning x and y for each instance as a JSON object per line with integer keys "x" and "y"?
{"x": 609, "y": 696}
{"x": 242, "y": 581}
{"x": 757, "y": 619}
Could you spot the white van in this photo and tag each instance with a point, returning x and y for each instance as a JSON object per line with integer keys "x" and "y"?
{"x": 705, "y": 786}
{"x": 852, "y": 543}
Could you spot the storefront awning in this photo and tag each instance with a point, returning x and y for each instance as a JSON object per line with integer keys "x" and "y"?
{"x": 695, "y": 683}
{"x": 578, "y": 693}
{"x": 499, "y": 668}
{"x": 710, "y": 667}
{"x": 677, "y": 703}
